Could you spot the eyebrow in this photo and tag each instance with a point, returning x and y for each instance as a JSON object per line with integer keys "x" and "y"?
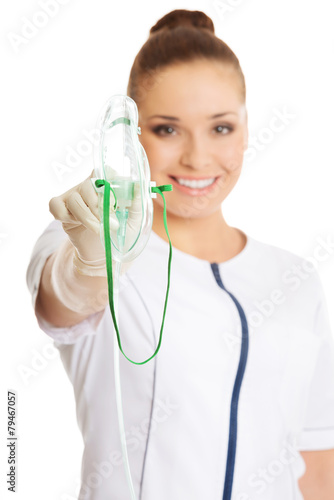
{"x": 218, "y": 115}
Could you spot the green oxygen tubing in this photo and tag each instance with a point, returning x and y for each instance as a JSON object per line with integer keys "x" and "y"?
{"x": 121, "y": 167}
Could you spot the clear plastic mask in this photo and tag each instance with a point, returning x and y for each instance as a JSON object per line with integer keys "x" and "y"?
{"x": 121, "y": 160}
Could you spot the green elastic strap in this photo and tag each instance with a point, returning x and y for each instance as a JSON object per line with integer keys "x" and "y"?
{"x": 120, "y": 120}
{"x": 107, "y": 239}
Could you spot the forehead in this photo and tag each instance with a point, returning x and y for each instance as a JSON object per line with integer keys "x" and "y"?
{"x": 194, "y": 87}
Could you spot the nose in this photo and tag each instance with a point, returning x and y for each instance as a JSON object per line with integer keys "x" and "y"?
{"x": 195, "y": 152}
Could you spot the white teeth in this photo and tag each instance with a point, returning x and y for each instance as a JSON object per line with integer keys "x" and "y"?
{"x": 196, "y": 184}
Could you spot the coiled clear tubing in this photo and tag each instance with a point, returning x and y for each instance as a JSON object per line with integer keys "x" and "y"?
{"x": 121, "y": 160}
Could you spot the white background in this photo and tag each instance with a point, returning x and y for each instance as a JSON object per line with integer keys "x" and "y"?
{"x": 53, "y": 87}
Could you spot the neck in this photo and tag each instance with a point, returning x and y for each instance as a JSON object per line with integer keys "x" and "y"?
{"x": 209, "y": 238}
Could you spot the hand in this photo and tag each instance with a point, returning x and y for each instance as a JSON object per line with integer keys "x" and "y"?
{"x": 77, "y": 209}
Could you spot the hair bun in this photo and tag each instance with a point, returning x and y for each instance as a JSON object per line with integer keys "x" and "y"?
{"x": 180, "y": 17}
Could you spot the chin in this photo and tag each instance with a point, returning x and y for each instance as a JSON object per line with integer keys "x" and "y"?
{"x": 191, "y": 210}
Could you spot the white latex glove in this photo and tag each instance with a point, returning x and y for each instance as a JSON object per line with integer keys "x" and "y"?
{"x": 79, "y": 212}
{"x": 77, "y": 209}
{"x": 79, "y": 265}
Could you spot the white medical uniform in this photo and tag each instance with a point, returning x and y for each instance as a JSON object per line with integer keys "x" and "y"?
{"x": 177, "y": 406}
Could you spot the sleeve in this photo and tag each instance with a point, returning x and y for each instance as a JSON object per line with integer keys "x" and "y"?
{"x": 318, "y": 428}
{"x": 46, "y": 244}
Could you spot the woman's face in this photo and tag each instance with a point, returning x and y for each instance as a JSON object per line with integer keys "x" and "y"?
{"x": 194, "y": 131}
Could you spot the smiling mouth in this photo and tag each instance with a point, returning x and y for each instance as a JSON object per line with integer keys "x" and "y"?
{"x": 194, "y": 183}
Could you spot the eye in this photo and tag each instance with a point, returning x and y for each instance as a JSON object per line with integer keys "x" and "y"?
{"x": 220, "y": 128}
{"x": 163, "y": 130}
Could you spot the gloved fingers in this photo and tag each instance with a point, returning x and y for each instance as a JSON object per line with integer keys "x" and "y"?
{"x": 59, "y": 210}
{"x": 90, "y": 197}
{"x": 58, "y": 206}
{"x": 111, "y": 173}
{"x": 98, "y": 206}
{"x": 94, "y": 201}
{"x": 135, "y": 210}
{"x": 77, "y": 207}
{"x": 71, "y": 208}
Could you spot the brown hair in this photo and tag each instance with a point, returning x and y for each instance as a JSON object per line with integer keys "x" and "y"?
{"x": 179, "y": 36}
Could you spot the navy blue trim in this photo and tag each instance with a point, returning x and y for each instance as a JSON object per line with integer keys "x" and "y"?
{"x": 232, "y": 443}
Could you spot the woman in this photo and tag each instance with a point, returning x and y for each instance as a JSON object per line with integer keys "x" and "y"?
{"x": 240, "y": 399}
